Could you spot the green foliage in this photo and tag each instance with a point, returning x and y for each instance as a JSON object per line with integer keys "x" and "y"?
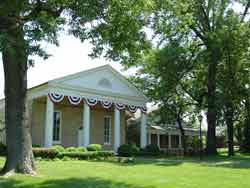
{"x": 70, "y": 153}
{"x": 59, "y": 148}
{"x": 86, "y": 155}
{"x": 46, "y": 153}
{"x": 128, "y": 150}
{"x": 94, "y": 147}
{"x": 71, "y": 149}
{"x": 82, "y": 149}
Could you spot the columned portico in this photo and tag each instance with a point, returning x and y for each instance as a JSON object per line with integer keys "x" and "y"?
{"x": 48, "y": 132}
{"x": 143, "y": 137}
{"x": 117, "y": 131}
{"x": 158, "y": 140}
{"x": 169, "y": 141}
{"x": 86, "y": 124}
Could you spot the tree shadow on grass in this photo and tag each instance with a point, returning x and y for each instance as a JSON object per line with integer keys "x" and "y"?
{"x": 146, "y": 161}
{"x": 237, "y": 162}
{"x": 91, "y": 182}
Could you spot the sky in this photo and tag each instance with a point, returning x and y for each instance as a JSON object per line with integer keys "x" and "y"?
{"x": 70, "y": 57}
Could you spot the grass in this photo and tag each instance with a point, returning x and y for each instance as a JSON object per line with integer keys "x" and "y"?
{"x": 172, "y": 172}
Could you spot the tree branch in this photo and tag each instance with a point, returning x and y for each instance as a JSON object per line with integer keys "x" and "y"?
{"x": 245, "y": 11}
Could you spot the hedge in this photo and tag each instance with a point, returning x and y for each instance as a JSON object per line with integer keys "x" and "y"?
{"x": 52, "y": 153}
{"x": 127, "y": 150}
{"x": 94, "y": 147}
{"x": 49, "y": 153}
{"x": 132, "y": 150}
{"x": 87, "y": 155}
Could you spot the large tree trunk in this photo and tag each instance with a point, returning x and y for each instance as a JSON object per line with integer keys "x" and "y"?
{"x": 183, "y": 137}
{"x": 246, "y": 140}
{"x": 212, "y": 110}
{"x": 229, "y": 112}
{"x": 19, "y": 149}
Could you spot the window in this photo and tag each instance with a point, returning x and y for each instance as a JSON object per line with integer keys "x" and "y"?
{"x": 107, "y": 130}
{"x": 57, "y": 128}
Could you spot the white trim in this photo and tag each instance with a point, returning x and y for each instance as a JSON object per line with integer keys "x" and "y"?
{"x": 60, "y": 128}
{"x": 110, "y": 130}
{"x": 107, "y": 66}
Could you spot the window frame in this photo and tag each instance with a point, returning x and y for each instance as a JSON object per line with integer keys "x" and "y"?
{"x": 60, "y": 128}
{"x": 110, "y": 131}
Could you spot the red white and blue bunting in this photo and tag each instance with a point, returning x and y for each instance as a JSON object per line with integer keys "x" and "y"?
{"x": 106, "y": 104}
{"x": 132, "y": 108}
{"x": 120, "y": 106}
{"x": 91, "y": 102}
{"x": 74, "y": 100}
{"x": 143, "y": 109}
{"x": 55, "y": 97}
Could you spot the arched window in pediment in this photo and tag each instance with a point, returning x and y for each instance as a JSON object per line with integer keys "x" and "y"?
{"x": 105, "y": 83}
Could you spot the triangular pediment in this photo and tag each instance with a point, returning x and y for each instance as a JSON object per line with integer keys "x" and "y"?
{"x": 102, "y": 79}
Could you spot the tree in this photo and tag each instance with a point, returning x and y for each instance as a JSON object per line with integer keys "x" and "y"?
{"x": 203, "y": 23}
{"x": 112, "y": 26}
{"x": 169, "y": 78}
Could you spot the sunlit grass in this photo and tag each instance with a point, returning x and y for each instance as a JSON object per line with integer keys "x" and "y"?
{"x": 172, "y": 172}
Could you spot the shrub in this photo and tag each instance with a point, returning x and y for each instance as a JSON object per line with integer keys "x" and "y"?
{"x": 127, "y": 150}
{"x": 3, "y": 149}
{"x": 94, "y": 147}
{"x": 71, "y": 149}
{"x": 82, "y": 149}
{"x": 80, "y": 155}
{"x": 47, "y": 153}
{"x": 106, "y": 154}
{"x": 59, "y": 148}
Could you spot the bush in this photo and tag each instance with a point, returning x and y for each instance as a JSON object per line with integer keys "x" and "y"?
{"x": 82, "y": 149}
{"x": 59, "y": 148}
{"x": 3, "y": 149}
{"x": 127, "y": 150}
{"x": 87, "y": 155}
{"x": 94, "y": 147}
{"x": 106, "y": 154}
{"x": 46, "y": 153}
{"x": 71, "y": 149}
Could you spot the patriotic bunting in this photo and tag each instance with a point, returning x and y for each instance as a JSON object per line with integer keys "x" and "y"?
{"x": 106, "y": 104}
{"x": 74, "y": 100}
{"x": 91, "y": 102}
{"x": 119, "y": 106}
{"x": 132, "y": 108}
{"x": 143, "y": 109}
{"x": 55, "y": 97}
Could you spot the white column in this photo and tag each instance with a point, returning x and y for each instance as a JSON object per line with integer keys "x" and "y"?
{"x": 143, "y": 142}
{"x": 169, "y": 141}
{"x": 149, "y": 138}
{"x": 117, "y": 131}
{"x": 48, "y": 133}
{"x": 158, "y": 140}
{"x": 86, "y": 124}
{"x": 180, "y": 141}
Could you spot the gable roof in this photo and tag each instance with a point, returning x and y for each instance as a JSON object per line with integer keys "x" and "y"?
{"x": 102, "y": 83}
{"x": 106, "y": 73}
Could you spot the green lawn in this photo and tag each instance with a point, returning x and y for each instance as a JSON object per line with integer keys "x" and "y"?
{"x": 217, "y": 172}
